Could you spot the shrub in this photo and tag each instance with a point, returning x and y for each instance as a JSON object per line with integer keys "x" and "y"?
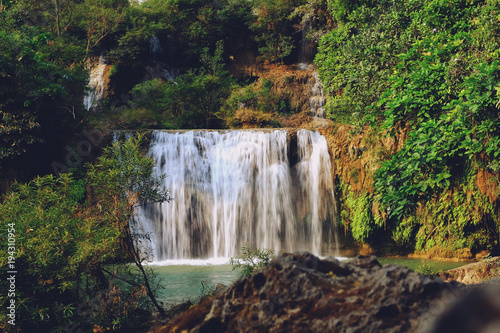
{"x": 251, "y": 259}
{"x": 70, "y": 253}
{"x": 427, "y": 268}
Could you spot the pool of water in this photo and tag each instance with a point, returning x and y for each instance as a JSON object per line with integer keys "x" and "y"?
{"x": 413, "y": 263}
{"x": 183, "y": 281}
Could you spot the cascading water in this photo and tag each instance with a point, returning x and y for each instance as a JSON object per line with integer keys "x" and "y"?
{"x": 306, "y": 47}
{"x": 157, "y": 68}
{"x": 96, "y": 83}
{"x": 236, "y": 188}
{"x": 155, "y": 46}
{"x": 306, "y": 57}
{"x": 316, "y": 101}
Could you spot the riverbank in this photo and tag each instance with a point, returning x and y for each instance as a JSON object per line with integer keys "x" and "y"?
{"x": 474, "y": 273}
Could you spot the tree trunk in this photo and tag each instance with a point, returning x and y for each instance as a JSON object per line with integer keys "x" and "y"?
{"x": 57, "y": 16}
{"x": 137, "y": 259}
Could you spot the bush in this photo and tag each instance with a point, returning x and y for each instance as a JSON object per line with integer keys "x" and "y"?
{"x": 70, "y": 253}
{"x": 252, "y": 106}
{"x": 251, "y": 259}
{"x": 427, "y": 268}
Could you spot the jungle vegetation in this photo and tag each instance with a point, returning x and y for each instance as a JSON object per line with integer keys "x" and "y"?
{"x": 424, "y": 70}
{"x": 429, "y": 69}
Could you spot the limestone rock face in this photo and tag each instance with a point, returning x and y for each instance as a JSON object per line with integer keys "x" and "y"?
{"x": 302, "y": 293}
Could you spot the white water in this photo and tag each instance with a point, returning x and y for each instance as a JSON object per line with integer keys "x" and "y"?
{"x": 316, "y": 101}
{"x": 96, "y": 83}
{"x": 193, "y": 262}
{"x": 236, "y": 188}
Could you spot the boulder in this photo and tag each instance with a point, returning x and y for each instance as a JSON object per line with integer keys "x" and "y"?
{"x": 303, "y": 293}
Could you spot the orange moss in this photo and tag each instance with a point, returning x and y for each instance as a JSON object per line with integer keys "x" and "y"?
{"x": 487, "y": 183}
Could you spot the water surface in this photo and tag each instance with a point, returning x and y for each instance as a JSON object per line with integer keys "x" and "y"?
{"x": 182, "y": 280}
{"x": 413, "y": 263}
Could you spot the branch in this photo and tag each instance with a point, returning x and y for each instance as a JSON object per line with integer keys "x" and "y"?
{"x": 72, "y": 110}
{"x": 115, "y": 276}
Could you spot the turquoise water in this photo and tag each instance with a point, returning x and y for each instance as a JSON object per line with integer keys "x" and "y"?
{"x": 184, "y": 282}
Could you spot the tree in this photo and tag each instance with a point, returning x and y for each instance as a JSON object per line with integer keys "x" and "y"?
{"x": 55, "y": 15}
{"x": 193, "y": 100}
{"x": 122, "y": 180}
{"x": 273, "y": 28}
{"x": 251, "y": 259}
{"x": 70, "y": 252}
{"x": 98, "y": 19}
{"x": 37, "y": 97}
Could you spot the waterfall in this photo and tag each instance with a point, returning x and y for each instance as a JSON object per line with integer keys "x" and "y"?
{"x": 96, "y": 83}
{"x": 157, "y": 68}
{"x": 155, "y": 46}
{"x": 306, "y": 47}
{"x": 316, "y": 101}
{"x": 236, "y": 188}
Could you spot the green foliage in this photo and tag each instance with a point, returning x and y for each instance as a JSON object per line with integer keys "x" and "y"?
{"x": 273, "y": 29}
{"x": 314, "y": 18}
{"x": 251, "y": 259}
{"x": 213, "y": 64}
{"x": 356, "y": 214}
{"x": 426, "y": 68}
{"x": 457, "y": 221}
{"x": 67, "y": 249}
{"x": 98, "y": 19}
{"x": 445, "y": 138}
{"x": 51, "y": 15}
{"x": 356, "y": 58}
{"x": 425, "y": 47}
{"x": 192, "y": 26}
{"x": 139, "y": 118}
{"x": 192, "y": 101}
{"x": 37, "y": 97}
{"x": 252, "y": 105}
{"x": 123, "y": 172}
{"x": 47, "y": 257}
{"x": 151, "y": 95}
{"x": 207, "y": 289}
{"x": 437, "y": 157}
{"x": 427, "y": 268}
{"x": 255, "y": 96}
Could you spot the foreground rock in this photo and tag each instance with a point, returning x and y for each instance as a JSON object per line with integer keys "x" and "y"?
{"x": 301, "y": 293}
{"x": 478, "y": 311}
